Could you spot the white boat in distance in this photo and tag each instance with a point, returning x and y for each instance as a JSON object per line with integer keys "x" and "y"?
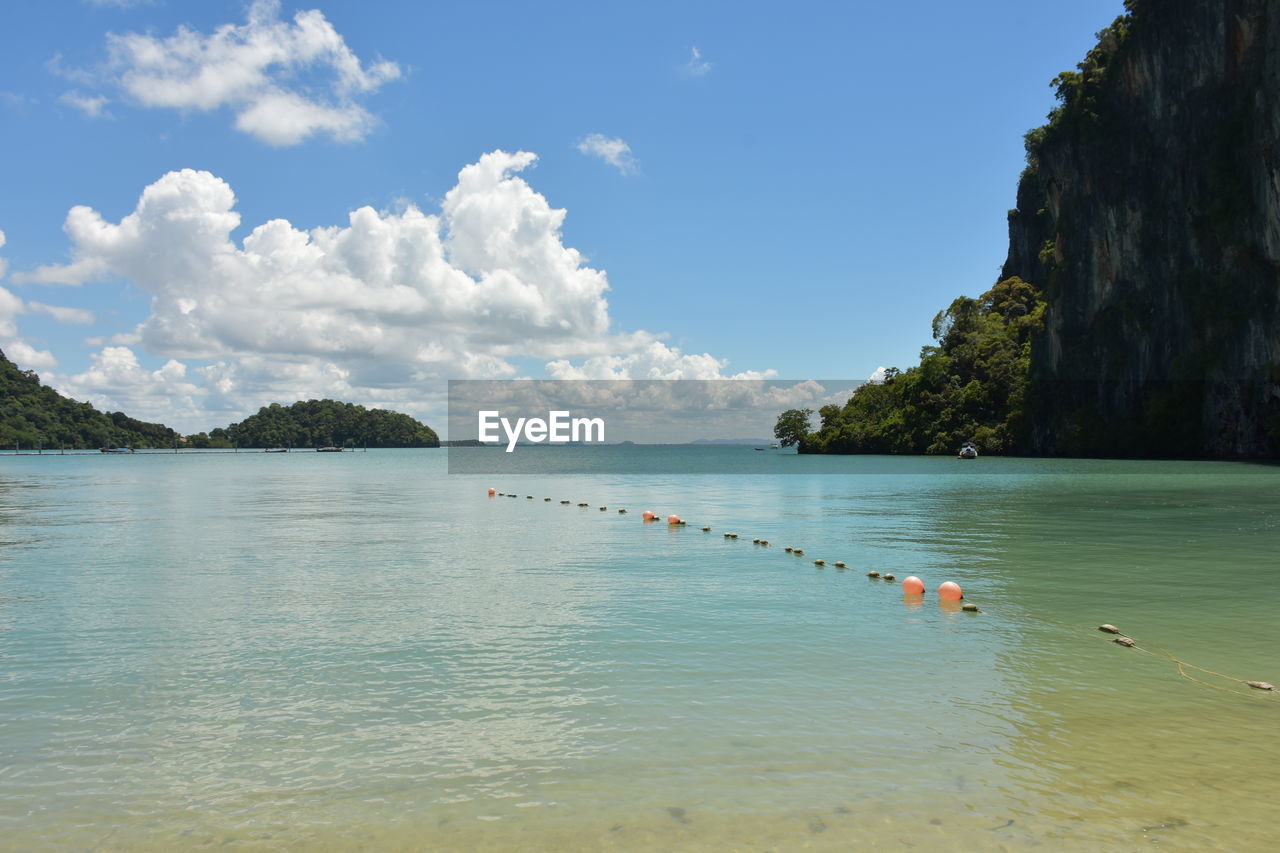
{"x": 968, "y": 450}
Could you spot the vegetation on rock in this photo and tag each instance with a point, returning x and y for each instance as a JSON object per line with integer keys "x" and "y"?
{"x": 1084, "y": 94}
{"x": 1147, "y": 217}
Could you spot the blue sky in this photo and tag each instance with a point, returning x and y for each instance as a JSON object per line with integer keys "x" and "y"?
{"x": 763, "y": 188}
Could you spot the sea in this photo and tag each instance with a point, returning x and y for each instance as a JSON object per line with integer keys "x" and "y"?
{"x": 363, "y": 651}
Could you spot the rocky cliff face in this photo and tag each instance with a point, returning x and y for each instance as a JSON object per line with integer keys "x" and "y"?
{"x": 1150, "y": 216}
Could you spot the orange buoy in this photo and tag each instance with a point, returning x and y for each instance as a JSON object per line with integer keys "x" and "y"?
{"x": 492, "y": 493}
{"x": 647, "y": 516}
{"x": 912, "y": 585}
{"x": 950, "y": 591}
{"x": 673, "y": 519}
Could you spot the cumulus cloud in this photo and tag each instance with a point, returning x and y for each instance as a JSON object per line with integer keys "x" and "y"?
{"x": 616, "y": 152}
{"x": 696, "y": 66}
{"x": 877, "y": 377}
{"x": 374, "y": 311}
{"x": 4, "y": 264}
{"x": 115, "y": 380}
{"x": 91, "y": 105}
{"x": 284, "y": 80}
{"x": 486, "y": 278}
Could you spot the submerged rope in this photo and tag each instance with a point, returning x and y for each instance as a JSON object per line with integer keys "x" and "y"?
{"x": 1179, "y": 664}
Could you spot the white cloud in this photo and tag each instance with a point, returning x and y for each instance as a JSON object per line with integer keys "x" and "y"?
{"x": 78, "y": 316}
{"x": 877, "y": 377}
{"x": 377, "y": 311}
{"x": 616, "y": 152}
{"x": 655, "y": 361}
{"x": 28, "y": 357}
{"x": 90, "y": 105}
{"x": 4, "y": 263}
{"x": 124, "y": 339}
{"x": 285, "y": 81}
{"x": 285, "y": 118}
{"x": 696, "y": 66}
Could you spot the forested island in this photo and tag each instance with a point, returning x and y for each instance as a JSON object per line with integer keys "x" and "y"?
{"x": 33, "y": 415}
{"x": 321, "y": 423}
{"x": 1148, "y": 223}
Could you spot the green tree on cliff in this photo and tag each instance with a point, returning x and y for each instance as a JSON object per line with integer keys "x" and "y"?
{"x": 970, "y": 385}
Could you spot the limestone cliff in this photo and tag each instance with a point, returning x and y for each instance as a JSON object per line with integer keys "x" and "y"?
{"x": 1149, "y": 214}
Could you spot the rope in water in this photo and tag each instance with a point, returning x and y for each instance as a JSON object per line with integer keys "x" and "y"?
{"x": 1255, "y": 687}
{"x": 1179, "y": 664}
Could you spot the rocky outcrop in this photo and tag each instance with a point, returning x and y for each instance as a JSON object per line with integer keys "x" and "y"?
{"x": 1149, "y": 215}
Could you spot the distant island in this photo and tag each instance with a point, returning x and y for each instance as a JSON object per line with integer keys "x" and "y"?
{"x": 1144, "y": 255}
{"x": 34, "y": 415}
{"x": 321, "y": 423}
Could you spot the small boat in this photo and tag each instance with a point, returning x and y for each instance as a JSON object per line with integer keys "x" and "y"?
{"x": 757, "y": 448}
{"x": 968, "y": 450}
{"x": 115, "y": 449}
{"x": 276, "y": 450}
{"x": 773, "y": 446}
{"x": 329, "y": 449}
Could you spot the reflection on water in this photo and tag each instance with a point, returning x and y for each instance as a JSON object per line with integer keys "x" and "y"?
{"x": 321, "y": 652}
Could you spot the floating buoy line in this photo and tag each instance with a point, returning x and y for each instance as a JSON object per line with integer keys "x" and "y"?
{"x": 950, "y": 591}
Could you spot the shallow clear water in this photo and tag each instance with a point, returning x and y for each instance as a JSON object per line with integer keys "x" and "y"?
{"x": 336, "y": 651}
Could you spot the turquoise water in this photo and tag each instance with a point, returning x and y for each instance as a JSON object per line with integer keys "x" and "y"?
{"x": 344, "y": 651}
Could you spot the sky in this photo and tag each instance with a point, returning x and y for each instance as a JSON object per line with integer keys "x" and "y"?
{"x": 208, "y": 207}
